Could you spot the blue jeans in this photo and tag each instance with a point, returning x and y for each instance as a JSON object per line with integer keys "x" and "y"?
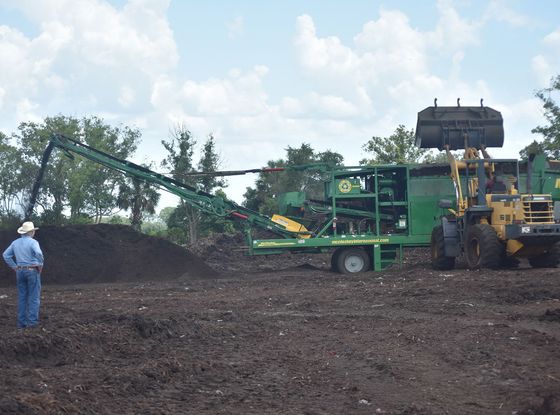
{"x": 29, "y": 297}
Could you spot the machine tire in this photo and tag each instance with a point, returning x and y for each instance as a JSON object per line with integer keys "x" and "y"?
{"x": 509, "y": 262}
{"x": 334, "y": 259}
{"x": 550, "y": 259}
{"x": 437, "y": 245}
{"x": 483, "y": 249}
{"x": 353, "y": 260}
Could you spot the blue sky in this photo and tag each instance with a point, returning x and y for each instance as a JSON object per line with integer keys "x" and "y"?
{"x": 261, "y": 76}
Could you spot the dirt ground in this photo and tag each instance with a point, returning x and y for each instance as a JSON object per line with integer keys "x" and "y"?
{"x": 140, "y": 327}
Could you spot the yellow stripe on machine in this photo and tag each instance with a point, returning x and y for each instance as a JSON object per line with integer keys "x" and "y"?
{"x": 291, "y": 225}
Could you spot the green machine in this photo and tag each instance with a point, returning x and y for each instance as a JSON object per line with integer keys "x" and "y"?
{"x": 367, "y": 216}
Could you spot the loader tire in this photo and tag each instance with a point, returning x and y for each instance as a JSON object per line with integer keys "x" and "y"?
{"x": 550, "y": 259}
{"x": 483, "y": 249}
{"x": 437, "y": 245}
{"x": 353, "y": 260}
{"x": 509, "y": 262}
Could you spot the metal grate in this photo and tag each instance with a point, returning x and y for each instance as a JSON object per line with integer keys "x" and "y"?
{"x": 538, "y": 211}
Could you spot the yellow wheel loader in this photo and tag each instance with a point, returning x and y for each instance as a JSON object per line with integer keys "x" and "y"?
{"x": 490, "y": 222}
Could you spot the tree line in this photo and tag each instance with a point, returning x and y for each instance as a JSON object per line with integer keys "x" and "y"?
{"x": 75, "y": 190}
{"x": 80, "y": 191}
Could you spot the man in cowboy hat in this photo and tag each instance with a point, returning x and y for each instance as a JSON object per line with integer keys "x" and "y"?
{"x": 24, "y": 256}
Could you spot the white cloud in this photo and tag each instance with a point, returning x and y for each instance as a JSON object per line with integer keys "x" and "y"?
{"x": 452, "y": 32}
{"x": 389, "y": 69}
{"x": 545, "y": 65}
{"x": 126, "y": 96}
{"x": 25, "y": 111}
{"x": 498, "y": 10}
{"x": 324, "y": 54}
{"x": 239, "y": 94}
{"x": 519, "y": 119}
{"x": 84, "y": 52}
{"x": 542, "y": 69}
{"x": 236, "y": 27}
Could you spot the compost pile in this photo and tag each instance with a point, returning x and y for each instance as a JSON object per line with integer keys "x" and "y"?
{"x": 227, "y": 254}
{"x": 107, "y": 253}
{"x": 136, "y": 325}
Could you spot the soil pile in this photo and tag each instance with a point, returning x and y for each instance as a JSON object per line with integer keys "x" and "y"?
{"x": 228, "y": 253}
{"x": 107, "y": 253}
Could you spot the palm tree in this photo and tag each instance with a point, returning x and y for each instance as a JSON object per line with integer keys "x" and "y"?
{"x": 138, "y": 197}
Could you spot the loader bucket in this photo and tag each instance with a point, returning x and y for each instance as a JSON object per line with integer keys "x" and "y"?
{"x": 459, "y": 127}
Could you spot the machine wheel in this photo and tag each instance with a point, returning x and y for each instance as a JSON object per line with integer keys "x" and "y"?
{"x": 334, "y": 260}
{"x": 439, "y": 260}
{"x": 509, "y": 262}
{"x": 483, "y": 249}
{"x": 550, "y": 259}
{"x": 352, "y": 260}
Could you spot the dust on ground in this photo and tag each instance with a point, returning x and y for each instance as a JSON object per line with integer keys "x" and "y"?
{"x": 277, "y": 335}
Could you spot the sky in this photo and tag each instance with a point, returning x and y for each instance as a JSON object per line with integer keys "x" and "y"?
{"x": 264, "y": 75}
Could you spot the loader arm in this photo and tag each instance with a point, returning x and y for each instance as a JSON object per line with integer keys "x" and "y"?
{"x": 203, "y": 201}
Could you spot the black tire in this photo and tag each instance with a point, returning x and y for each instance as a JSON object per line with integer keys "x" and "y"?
{"x": 334, "y": 259}
{"x": 549, "y": 259}
{"x": 509, "y": 262}
{"x": 437, "y": 245}
{"x": 483, "y": 249}
{"x": 353, "y": 260}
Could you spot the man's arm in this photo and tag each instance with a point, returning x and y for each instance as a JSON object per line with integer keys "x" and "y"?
{"x": 9, "y": 257}
{"x": 38, "y": 255}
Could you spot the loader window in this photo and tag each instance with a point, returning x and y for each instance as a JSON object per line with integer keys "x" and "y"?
{"x": 504, "y": 177}
{"x": 498, "y": 187}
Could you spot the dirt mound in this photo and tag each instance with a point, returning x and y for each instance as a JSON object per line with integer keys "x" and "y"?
{"x": 227, "y": 253}
{"x": 107, "y": 253}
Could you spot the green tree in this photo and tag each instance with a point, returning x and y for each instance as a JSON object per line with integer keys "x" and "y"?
{"x": 165, "y": 213}
{"x": 32, "y": 140}
{"x": 304, "y": 172}
{"x": 398, "y": 148}
{"x": 551, "y": 132}
{"x": 140, "y": 198}
{"x": 441, "y": 157}
{"x": 86, "y": 189}
{"x": 210, "y": 162}
{"x": 535, "y": 147}
{"x": 100, "y": 185}
{"x": 183, "y": 223}
{"x": 11, "y": 181}
{"x": 153, "y": 225}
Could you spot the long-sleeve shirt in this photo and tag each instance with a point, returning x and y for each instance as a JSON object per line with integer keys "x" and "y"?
{"x": 24, "y": 251}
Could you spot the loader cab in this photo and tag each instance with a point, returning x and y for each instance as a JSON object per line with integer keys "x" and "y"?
{"x": 490, "y": 177}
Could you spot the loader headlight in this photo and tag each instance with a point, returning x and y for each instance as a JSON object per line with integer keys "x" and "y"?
{"x": 525, "y": 229}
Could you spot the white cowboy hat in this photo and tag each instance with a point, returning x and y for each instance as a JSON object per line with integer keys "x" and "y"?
{"x": 27, "y": 227}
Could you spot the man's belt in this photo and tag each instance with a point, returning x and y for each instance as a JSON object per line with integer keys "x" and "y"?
{"x": 28, "y": 267}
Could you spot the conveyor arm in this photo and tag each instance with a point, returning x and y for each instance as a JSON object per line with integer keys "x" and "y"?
{"x": 200, "y": 200}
